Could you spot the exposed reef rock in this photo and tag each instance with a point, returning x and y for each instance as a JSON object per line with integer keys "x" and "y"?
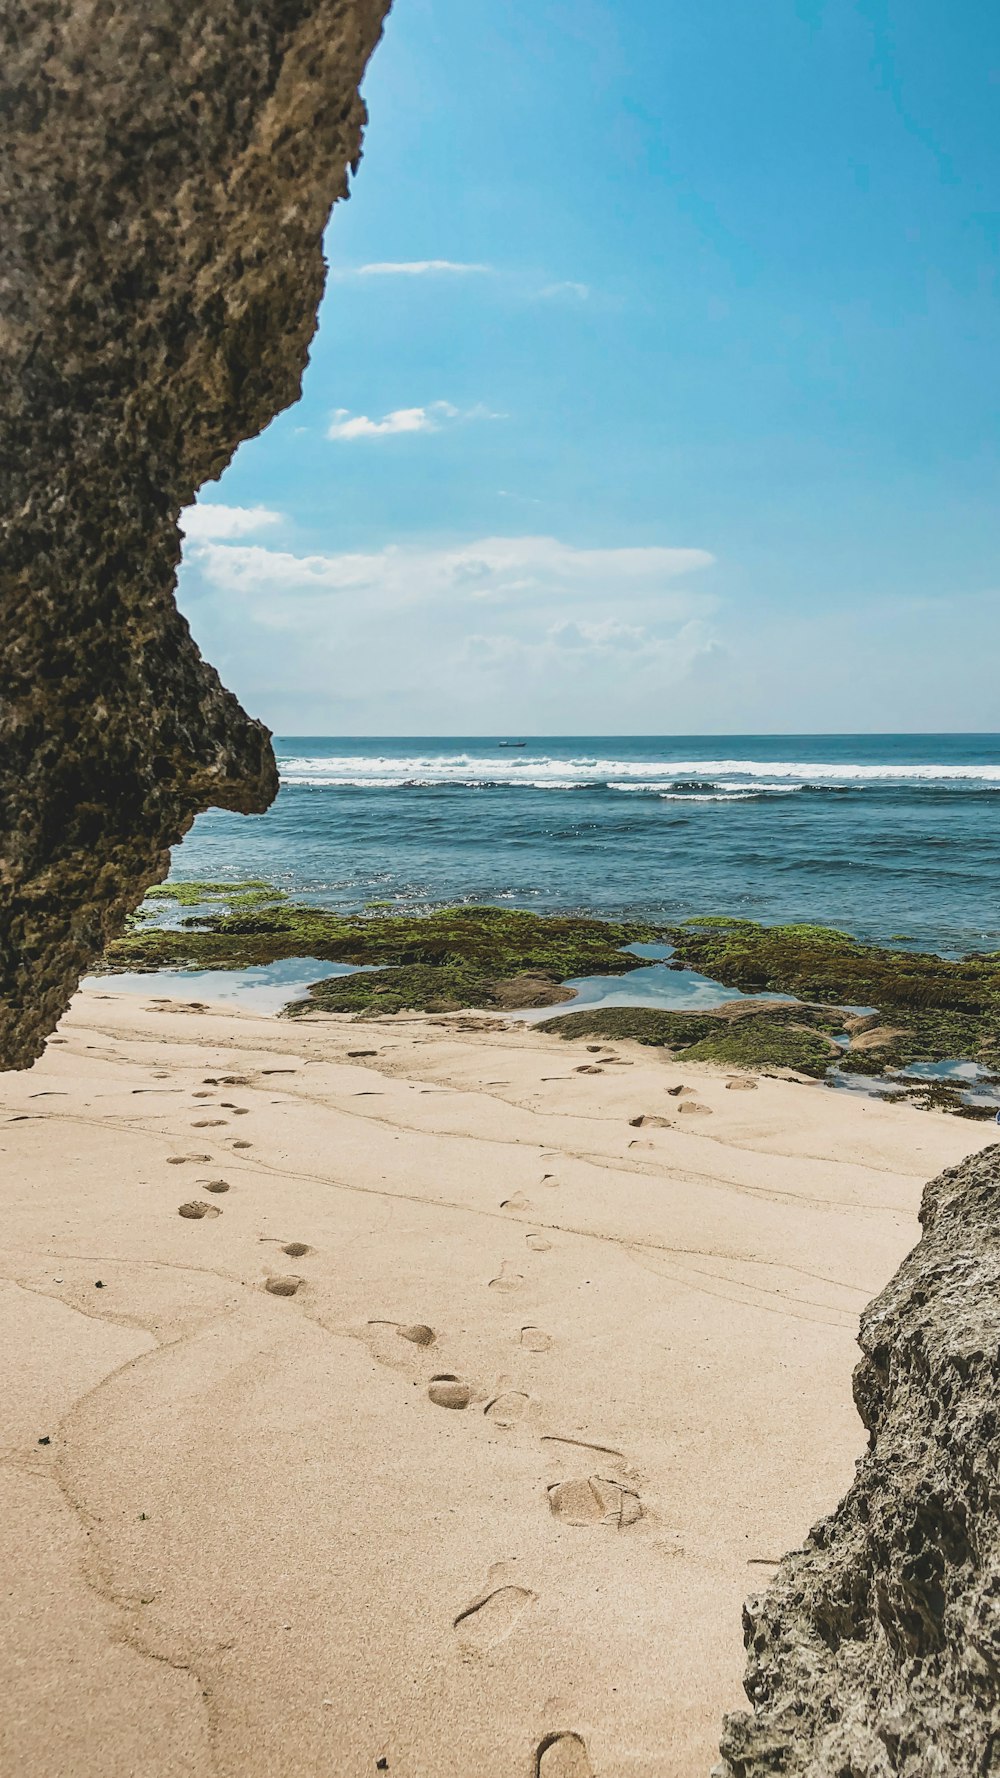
{"x": 502, "y": 958}
{"x": 929, "y": 1007}
{"x": 741, "y": 1034}
{"x": 876, "y": 1653}
{"x": 166, "y": 173}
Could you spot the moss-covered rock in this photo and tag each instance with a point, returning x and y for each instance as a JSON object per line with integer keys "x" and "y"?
{"x": 464, "y": 956}
{"x": 766, "y": 1042}
{"x": 418, "y": 987}
{"x": 638, "y": 1024}
{"x": 422, "y": 987}
{"x": 930, "y": 1007}
{"x": 735, "y": 1036}
{"x": 819, "y": 963}
{"x": 193, "y": 894}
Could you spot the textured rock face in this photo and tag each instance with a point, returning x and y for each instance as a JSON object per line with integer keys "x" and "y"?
{"x": 166, "y": 172}
{"x": 877, "y": 1650}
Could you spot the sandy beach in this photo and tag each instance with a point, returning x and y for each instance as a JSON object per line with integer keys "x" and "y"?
{"x": 447, "y": 1433}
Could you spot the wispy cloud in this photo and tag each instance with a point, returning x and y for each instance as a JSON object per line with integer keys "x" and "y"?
{"x": 206, "y": 521}
{"x": 600, "y": 652}
{"x": 410, "y": 268}
{"x": 493, "y": 630}
{"x": 566, "y": 287}
{"x": 515, "y": 572}
{"x": 345, "y": 425}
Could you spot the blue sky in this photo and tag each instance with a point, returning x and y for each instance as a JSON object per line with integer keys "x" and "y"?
{"x": 703, "y": 437}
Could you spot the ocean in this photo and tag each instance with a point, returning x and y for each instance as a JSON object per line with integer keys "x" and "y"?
{"x": 889, "y": 837}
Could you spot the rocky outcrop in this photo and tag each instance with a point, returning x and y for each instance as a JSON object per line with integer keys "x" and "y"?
{"x": 167, "y": 171}
{"x": 876, "y": 1653}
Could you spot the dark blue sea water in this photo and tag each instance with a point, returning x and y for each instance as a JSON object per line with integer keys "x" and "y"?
{"x": 883, "y": 836}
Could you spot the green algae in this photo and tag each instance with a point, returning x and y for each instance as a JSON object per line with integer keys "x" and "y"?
{"x": 414, "y": 987}
{"x": 763, "y": 1042}
{"x": 929, "y": 1008}
{"x": 819, "y": 963}
{"x": 636, "y": 1024}
{"x": 194, "y": 893}
{"x": 469, "y": 953}
{"x": 796, "y": 1039}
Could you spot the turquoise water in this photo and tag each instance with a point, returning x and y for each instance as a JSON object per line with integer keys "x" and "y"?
{"x": 880, "y": 835}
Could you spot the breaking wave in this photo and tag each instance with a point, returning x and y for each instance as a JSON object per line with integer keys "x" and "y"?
{"x": 712, "y": 780}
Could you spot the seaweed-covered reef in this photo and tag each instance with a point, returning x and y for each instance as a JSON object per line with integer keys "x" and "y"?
{"x": 166, "y": 173}
{"x": 876, "y": 1651}
{"x": 928, "y": 1007}
{"x": 860, "y": 1009}
{"x": 435, "y": 962}
{"x": 740, "y": 1035}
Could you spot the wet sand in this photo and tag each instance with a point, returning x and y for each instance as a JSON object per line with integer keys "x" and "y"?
{"x": 446, "y": 1431}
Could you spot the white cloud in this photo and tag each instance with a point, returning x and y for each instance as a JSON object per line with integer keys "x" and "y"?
{"x": 347, "y": 426}
{"x": 566, "y": 287}
{"x": 600, "y": 652}
{"x": 504, "y": 571}
{"x": 207, "y": 521}
{"x": 527, "y": 631}
{"x": 410, "y": 268}
{"x": 402, "y": 419}
{"x": 609, "y": 633}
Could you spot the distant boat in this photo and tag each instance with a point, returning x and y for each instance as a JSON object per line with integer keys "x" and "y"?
{"x": 510, "y": 743}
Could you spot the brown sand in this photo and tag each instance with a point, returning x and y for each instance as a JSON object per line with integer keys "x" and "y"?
{"x": 450, "y": 1440}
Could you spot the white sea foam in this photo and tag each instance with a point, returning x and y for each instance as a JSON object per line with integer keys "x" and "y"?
{"x": 663, "y": 778}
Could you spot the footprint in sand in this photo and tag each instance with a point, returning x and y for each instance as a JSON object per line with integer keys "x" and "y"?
{"x": 492, "y": 1619}
{"x": 647, "y": 1122}
{"x": 534, "y": 1340}
{"x": 517, "y": 1202}
{"x": 214, "y": 1185}
{"x": 181, "y": 1160}
{"x": 449, "y": 1392}
{"x": 194, "y": 1211}
{"x": 591, "y": 1500}
{"x": 506, "y": 1279}
{"x": 399, "y": 1344}
{"x": 296, "y": 1249}
{"x": 282, "y": 1286}
{"x": 507, "y": 1409}
{"x": 588, "y": 1068}
{"x": 739, "y": 1085}
{"x": 538, "y": 1243}
{"x": 208, "y": 1123}
{"x": 694, "y": 1107}
{"x": 678, "y": 1092}
{"x": 243, "y": 1080}
{"x": 236, "y": 1145}
{"x": 563, "y": 1756}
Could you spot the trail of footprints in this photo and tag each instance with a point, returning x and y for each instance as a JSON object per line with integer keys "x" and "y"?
{"x": 594, "y": 1493}
{"x": 587, "y": 1500}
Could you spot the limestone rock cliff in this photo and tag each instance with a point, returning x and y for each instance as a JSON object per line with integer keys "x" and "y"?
{"x": 876, "y": 1653}
{"x": 166, "y": 172}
